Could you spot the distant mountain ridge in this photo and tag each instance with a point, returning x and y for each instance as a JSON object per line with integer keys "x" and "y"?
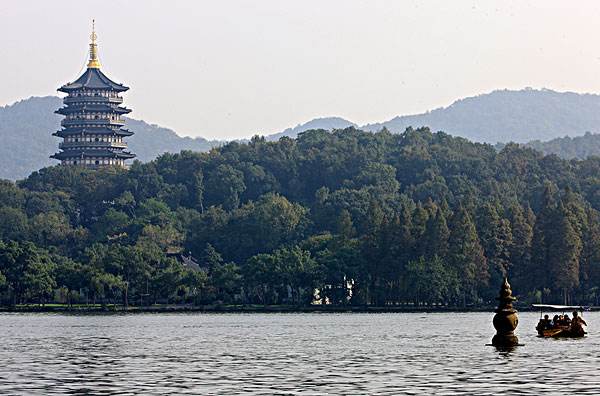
{"x": 503, "y": 116}
{"x": 26, "y": 129}
{"x": 327, "y": 123}
{"x": 498, "y": 116}
{"x": 522, "y": 116}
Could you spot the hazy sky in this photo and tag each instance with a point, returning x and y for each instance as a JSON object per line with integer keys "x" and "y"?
{"x": 230, "y": 69}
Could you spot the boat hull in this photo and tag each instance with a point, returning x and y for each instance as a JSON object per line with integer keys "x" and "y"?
{"x": 562, "y": 332}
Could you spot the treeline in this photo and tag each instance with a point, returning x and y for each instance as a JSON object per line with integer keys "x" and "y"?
{"x": 347, "y": 218}
{"x": 578, "y": 147}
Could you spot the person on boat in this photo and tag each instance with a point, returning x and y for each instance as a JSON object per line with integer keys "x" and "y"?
{"x": 560, "y": 321}
{"x": 546, "y": 323}
{"x": 542, "y": 324}
{"x": 577, "y": 325}
{"x": 555, "y": 320}
{"x": 577, "y": 320}
{"x": 567, "y": 320}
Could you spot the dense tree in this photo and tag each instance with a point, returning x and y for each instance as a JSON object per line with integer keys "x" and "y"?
{"x": 346, "y": 217}
{"x": 520, "y": 250}
{"x": 466, "y": 256}
{"x": 496, "y": 238}
{"x": 564, "y": 250}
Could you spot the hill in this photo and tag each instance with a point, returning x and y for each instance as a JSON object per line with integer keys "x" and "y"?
{"x": 326, "y": 123}
{"x": 499, "y": 116}
{"x": 579, "y": 147}
{"x": 505, "y": 116}
{"x": 360, "y": 218}
{"x": 26, "y": 129}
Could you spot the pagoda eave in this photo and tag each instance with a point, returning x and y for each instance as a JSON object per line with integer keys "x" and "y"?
{"x": 93, "y": 79}
{"x": 92, "y": 154}
{"x": 92, "y": 109}
{"x": 98, "y": 131}
{"x": 75, "y": 87}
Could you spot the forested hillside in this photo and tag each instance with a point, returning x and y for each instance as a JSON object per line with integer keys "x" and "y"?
{"x": 579, "y": 147}
{"x": 363, "y": 218}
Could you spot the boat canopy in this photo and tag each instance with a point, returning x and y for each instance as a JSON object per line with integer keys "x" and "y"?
{"x": 558, "y": 307}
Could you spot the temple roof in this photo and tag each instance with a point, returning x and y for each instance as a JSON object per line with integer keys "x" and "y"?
{"x": 93, "y": 78}
{"x": 78, "y": 153}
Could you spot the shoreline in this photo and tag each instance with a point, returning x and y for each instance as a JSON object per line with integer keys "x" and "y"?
{"x": 119, "y": 309}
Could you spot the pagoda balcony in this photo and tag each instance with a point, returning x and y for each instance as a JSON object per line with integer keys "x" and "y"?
{"x": 91, "y": 145}
{"x": 92, "y": 99}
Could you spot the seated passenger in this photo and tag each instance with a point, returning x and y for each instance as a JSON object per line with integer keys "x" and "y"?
{"x": 567, "y": 320}
{"x": 555, "y": 321}
{"x": 577, "y": 320}
{"x": 541, "y": 325}
{"x": 577, "y": 325}
{"x": 547, "y": 322}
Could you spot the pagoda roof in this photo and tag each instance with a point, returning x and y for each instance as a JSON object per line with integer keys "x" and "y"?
{"x": 92, "y": 107}
{"x": 92, "y": 153}
{"x": 97, "y": 131}
{"x": 93, "y": 78}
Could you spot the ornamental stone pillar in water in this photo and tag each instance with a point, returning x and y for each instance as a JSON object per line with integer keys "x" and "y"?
{"x": 506, "y": 319}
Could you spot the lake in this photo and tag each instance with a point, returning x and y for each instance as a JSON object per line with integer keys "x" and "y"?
{"x": 304, "y": 354}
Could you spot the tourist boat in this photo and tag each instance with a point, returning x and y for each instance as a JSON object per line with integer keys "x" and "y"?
{"x": 557, "y": 331}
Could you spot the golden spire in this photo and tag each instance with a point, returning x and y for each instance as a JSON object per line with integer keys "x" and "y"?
{"x": 94, "y": 63}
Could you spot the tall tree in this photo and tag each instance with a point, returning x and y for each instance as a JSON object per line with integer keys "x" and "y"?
{"x": 520, "y": 251}
{"x": 564, "y": 250}
{"x": 466, "y": 255}
{"x": 436, "y": 236}
{"x": 496, "y": 239}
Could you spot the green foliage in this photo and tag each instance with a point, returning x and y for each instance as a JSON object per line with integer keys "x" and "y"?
{"x": 347, "y": 218}
{"x": 579, "y": 147}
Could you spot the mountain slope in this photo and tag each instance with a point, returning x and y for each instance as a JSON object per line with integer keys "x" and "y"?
{"x": 503, "y": 116}
{"x": 579, "y": 147}
{"x": 327, "y": 123}
{"x": 499, "y": 116}
{"x": 26, "y": 129}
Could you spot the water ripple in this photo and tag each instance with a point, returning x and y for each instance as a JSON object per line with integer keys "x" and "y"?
{"x": 291, "y": 354}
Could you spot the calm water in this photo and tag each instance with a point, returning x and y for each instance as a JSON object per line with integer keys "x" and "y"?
{"x": 310, "y": 354}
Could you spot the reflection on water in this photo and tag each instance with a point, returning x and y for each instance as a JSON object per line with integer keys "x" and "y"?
{"x": 288, "y": 354}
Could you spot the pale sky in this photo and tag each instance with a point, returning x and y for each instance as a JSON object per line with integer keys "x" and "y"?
{"x": 231, "y": 69}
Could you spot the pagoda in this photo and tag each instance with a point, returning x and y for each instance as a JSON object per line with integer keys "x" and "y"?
{"x": 92, "y": 130}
